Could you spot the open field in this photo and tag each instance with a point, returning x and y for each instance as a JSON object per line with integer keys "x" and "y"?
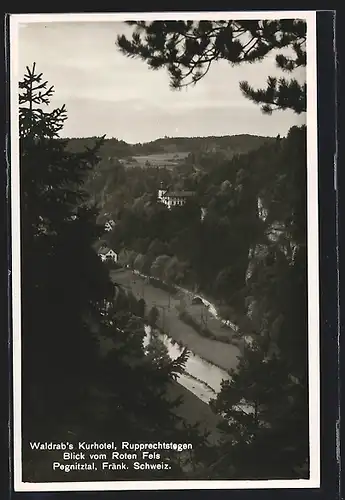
{"x": 161, "y": 157}
{"x": 162, "y": 160}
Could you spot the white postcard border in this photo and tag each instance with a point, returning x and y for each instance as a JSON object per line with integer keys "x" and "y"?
{"x": 313, "y": 257}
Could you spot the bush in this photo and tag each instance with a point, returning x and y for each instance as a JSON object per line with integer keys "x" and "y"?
{"x": 163, "y": 286}
{"x": 190, "y": 321}
{"x": 141, "y": 306}
{"x": 153, "y": 316}
{"x": 111, "y": 264}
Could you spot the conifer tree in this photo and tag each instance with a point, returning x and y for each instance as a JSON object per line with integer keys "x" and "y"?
{"x": 188, "y": 49}
{"x": 63, "y": 280}
{"x": 70, "y": 306}
{"x": 265, "y": 422}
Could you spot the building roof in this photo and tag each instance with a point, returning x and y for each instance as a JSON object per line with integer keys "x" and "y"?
{"x": 178, "y": 194}
{"x": 105, "y": 250}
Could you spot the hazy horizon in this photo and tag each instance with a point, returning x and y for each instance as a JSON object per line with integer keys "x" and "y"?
{"x": 108, "y": 93}
{"x": 171, "y": 137}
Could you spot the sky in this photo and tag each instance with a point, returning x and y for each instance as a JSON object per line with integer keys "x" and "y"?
{"x": 107, "y": 93}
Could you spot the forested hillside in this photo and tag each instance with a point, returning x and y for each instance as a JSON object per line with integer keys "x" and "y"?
{"x": 230, "y": 145}
{"x": 248, "y": 254}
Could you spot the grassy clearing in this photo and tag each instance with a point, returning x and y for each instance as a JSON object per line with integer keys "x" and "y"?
{"x": 159, "y": 160}
{"x": 161, "y": 157}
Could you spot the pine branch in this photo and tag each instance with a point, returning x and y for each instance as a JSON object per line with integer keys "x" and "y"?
{"x": 184, "y": 48}
{"x": 279, "y": 94}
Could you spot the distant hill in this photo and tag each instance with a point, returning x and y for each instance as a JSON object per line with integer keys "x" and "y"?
{"x": 111, "y": 148}
{"x": 237, "y": 144}
{"x": 178, "y": 147}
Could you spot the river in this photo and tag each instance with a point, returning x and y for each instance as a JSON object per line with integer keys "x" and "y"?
{"x": 200, "y": 377}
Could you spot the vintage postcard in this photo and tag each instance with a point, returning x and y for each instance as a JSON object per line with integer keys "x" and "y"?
{"x": 165, "y": 251}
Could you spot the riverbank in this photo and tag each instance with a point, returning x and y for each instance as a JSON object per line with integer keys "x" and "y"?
{"x": 199, "y": 307}
{"x": 223, "y": 355}
{"x": 200, "y": 377}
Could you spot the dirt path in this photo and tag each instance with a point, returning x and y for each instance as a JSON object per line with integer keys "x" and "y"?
{"x": 218, "y": 353}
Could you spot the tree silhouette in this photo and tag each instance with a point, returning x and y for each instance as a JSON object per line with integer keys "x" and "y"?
{"x": 70, "y": 307}
{"x": 63, "y": 280}
{"x": 265, "y": 416}
{"x": 187, "y": 49}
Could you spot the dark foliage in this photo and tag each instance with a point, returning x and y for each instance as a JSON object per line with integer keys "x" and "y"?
{"x": 71, "y": 390}
{"x": 187, "y": 49}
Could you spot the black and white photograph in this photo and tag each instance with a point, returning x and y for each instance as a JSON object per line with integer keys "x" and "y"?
{"x": 165, "y": 293}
